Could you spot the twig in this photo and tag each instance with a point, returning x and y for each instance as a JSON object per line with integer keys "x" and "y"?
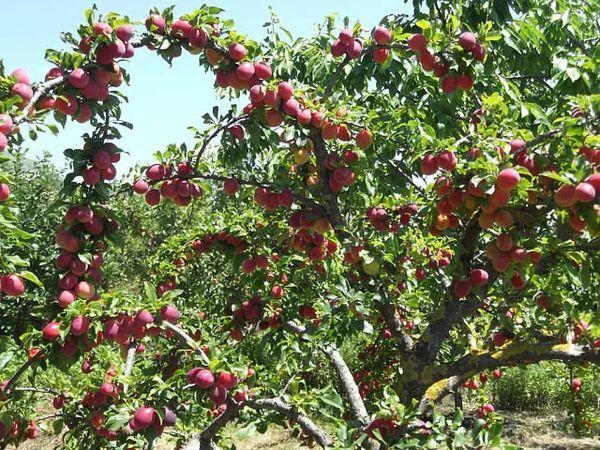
{"x": 213, "y": 135}
{"x": 36, "y": 390}
{"x": 187, "y": 339}
{"x": 42, "y": 89}
{"x": 20, "y": 371}
{"x": 129, "y": 363}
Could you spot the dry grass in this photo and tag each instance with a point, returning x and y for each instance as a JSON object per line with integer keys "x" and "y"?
{"x": 538, "y": 431}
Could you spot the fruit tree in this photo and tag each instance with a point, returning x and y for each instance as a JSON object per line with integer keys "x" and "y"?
{"x": 387, "y": 213}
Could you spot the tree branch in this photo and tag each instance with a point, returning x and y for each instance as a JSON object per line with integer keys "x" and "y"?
{"x": 359, "y": 411}
{"x": 213, "y": 135}
{"x": 333, "y": 207}
{"x": 42, "y": 89}
{"x": 129, "y": 363}
{"x": 6, "y": 387}
{"x": 307, "y": 425}
{"x": 446, "y": 378}
{"x": 187, "y": 339}
{"x": 388, "y": 311}
{"x": 205, "y": 440}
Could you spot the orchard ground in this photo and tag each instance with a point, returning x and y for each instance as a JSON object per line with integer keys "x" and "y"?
{"x": 530, "y": 430}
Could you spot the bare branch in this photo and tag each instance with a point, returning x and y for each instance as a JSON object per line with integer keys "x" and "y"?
{"x": 205, "y": 440}
{"x": 307, "y": 425}
{"x": 6, "y": 387}
{"x": 187, "y": 339}
{"x": 214, "y": 134}
{"x": 129, "y": 363}
{"x": 388, "y": 311}
{"x": 348, "y": 385}
{"x": 41, "y": 90}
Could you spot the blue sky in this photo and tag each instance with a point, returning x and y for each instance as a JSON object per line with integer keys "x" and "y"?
{"x": 163, "y": 101}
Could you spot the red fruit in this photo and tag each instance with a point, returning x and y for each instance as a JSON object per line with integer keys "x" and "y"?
{"x": 496, "y": 373}
{"x": 354, "y": 49}
{"x": 140, "y": 186}
{"x": 517, "y": 145}
{"x": 218, "y": 395}
{"x": 285, "y": 90}
{"x": 501, "y": 261}
{"x": 462, "y": 288}
{"x": 6, "y": 124}
{"x": 479, "y": 52}
{"x": 330, "y": 131}
{"x": 346, "y": 36}
{"x": 318, "y": 119}
{"x": 125, "y": 32}
{"x": 237, "y": 131}
{"x": 245, "y": 71}
{"x": 155, "y": 23}
{"x": 417, "y": 42}
{"x": 364, "y": 138}
{"x": 576, "y": 384}
{"x": 277, "y": 291}
{"x": 4, "y": 192}
{"x": 504, "y": 242}
{"x": 230, "y": 186}
{"x": 102, "y": 159}
{"x": 66, "y": 104}
{"x": 21, "y": 76}
{"x": 84, "y": 113}
{"x": 91, "y": 176}
{"x": 65, "y": 298}
{"x": 594, "y": 180}
{"x": 440, "y": 70}
{"x": 227, "y": 380}
{"x": 204, "y": 379}
{"x": 429, "y": 164}
{"x": 51, "y": 331}
{"x": 464, "y": 81}
{"x": 449, "y": 84}
{"x": 380, "y": 55}
{"x": 338, "y": 48}
{"x": 585, "y": 192}
{"x": 155, "y": 172}
{"x": 181, "y": 28}
{"x": 85, "y": 290}
{"x": 79, "y": 78}
{"x": 467, "y": 40}
{"x": 565, "y": 196}
{"x": 248, "y": 266}
{"x": 153, "y": 197}
{"x": 143, "y": 417}
{"x": 517, "y": 281}
{"x": 447, "y": 160}
{"x": 427, "y": 61}
{"x": 291, "y": 107}
{"x": 544, "y": 302}
{"x": 508, "y": 179}
{"x": 170, "y": 314}
{"x": 101, "y": 28}
{"x": 382, "y": 35}
{"x": 499, "y": 338}
{"x": 262, "y": 70}
{"x": 304, "y": 116}
{"x": 22, "y": 90}
{"x": 478, "y": 277}
{"x": 274, "y": 118}
{"x": 12, "y": 285}
{"x": 80, "y": 326}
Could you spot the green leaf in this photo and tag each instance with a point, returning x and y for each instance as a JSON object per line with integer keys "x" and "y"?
{"x": 30, "y": 276}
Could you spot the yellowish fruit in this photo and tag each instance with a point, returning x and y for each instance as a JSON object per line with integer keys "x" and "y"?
{"x": 301, "y": 156}
{"x": 371, "y": 268}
